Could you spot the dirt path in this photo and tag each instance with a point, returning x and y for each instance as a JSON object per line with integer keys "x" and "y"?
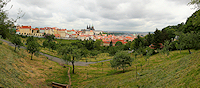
{"x": 70, "y": 83}
{"x": 58, "y": 60}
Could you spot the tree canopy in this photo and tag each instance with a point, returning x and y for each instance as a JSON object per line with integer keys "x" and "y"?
{"x": 121, "y": 60}
{"x": 33, "y": 47}
{"x": 16, "y": 41}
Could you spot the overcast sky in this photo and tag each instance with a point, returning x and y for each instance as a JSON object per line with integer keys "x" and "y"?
{"x": 106, "y": 15}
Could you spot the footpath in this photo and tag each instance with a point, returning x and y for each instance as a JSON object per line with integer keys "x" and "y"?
{"x": 56, "y": 59}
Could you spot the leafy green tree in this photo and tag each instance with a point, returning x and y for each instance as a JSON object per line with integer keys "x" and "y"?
{"x": 178, "y": 46}
{"x": 138, "y": 45}
{"x": 189, "y": 40}
{"x": 97, "y": 44}
{"x": 121, "y": 60}
{"x": 16, "y": 41}
{"x": 149, "y": 52}
{"x": 52, "y": 45}
{"x": 196, "y": 3}
{"x": 127, "y": 46}
{"x": 111, "y": 43}
{"x": 49, "y": 37}
{"x": 5, "y": 22}
{"x": 31, "y": 38}
{"x": 166, "y": 48}
{"x": 168, "y": 33}
{"x": 157, "y": 38}
{"x": 148, "y": 39}
{"x": 94, "y": 52}
{"x": 33, "y": 47}
{"x": 45, "y": 44}
{"x": 112, "y": 50}
{"x": 70, "y": 53}
{"x": 118, "y": 43}
{"x": 192, "y": 23}
{"x": 89, "y": 44}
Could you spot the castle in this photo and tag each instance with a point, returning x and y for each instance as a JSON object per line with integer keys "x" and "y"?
{"x": 90, "y": 28}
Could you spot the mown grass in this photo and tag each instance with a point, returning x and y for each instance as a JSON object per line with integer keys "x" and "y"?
{"x": 65, "y": 41}
{"x": 99, "y": 57}
{"x": 17, "y": 70}
{"x": 175, "y": 70}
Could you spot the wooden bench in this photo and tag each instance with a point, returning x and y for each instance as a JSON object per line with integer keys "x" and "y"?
{"x": 58, "y": 85}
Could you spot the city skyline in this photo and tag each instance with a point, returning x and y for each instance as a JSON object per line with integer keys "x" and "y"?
{"x": 112, "y": 15}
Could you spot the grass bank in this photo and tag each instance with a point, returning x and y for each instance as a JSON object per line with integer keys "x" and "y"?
{"x": 17, "y": 70}
{"x": 175, "y": 70}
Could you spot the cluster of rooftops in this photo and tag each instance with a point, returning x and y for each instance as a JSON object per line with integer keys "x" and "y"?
{"x": 83, "y": 34}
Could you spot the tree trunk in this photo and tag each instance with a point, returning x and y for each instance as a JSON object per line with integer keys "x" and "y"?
{"x": 73, "y": 64}
{"x": 31, "y": 56}
{"x": 136, "y": 72}
{"x": 123, "y": 70}
{"x": 15, "y": 47}
{"x": 189, "y": 51}
{"x": 180, "y": 50}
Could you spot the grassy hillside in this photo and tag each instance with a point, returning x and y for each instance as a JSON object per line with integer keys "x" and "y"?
{"x": 176, "y": 70}
{"x": 17, "y": 70}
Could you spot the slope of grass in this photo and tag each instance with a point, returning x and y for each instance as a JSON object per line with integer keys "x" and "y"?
{"x": 17, "y": 70}
{"x": 176, "y": 70}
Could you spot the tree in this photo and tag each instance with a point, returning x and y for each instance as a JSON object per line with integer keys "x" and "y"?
{"x": 52, "y": 45}
{"x": 149, "y": 39}
{"x": 45, "y": 44}
{"x": 149, "y": 52}
{"x": 192, "y": 23}
{"x": 89, "y": 44}
{"x": 121, "y": 60}
{"x": 49, "y": 37}
{"x": 111, "y": 44}
{"x": 139, "y": 41}
{"x": 166, "y": 48}
{"x": 97, "y": 44}
{"x": 178, "y": 46}
{"x": 70, "y": 54}
{"x": 196, "y": 3}
{"x": 30, "y": 39}
{"x": 16, "y": 41}
{"x": 190, "y": 40}
{"x": 127, "y": 45}
{"x": 112, "y": 50}
{"x": 118, "y": 43}
{"x": 5, "y": 23}
{"x": 157, "y": 38}
{"x": 33, "y": 48}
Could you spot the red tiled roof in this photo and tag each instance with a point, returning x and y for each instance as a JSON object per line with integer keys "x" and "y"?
{"x": 41, "y": 28}
{"x": 29, "y": 27}
{"x": 35, "y": 29}
{"x": 57, "y": 35}
{"x": 17, "y": 31}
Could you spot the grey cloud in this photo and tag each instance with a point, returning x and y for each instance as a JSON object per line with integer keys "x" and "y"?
{"x": 38, "y": 3}
{"x": 182, "y": 2}
{"x": 127, "y": 15}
